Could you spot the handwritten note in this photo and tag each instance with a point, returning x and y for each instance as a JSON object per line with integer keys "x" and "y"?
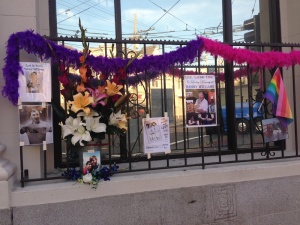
{"x": 156, "y": 134}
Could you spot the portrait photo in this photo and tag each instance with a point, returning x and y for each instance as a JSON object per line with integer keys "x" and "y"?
{"x": 273, "y": 130}
{"x": 35, "y": 124}
{"x": 91, "y": 161}
{"x": 35, "y": 82}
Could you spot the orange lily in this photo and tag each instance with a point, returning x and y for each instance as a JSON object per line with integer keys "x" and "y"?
{"x": 81, "y": 102}
{"x": 113, "y": 89}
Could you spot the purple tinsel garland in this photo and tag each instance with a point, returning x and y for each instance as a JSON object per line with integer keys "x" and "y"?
{"x": 40, "y": 46}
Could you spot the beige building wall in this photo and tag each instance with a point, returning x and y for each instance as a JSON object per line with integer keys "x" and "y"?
{"x": 16, "y": 16}
{"x": 290, "y": 30}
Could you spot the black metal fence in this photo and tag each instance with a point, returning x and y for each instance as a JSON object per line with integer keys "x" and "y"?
{"x": 199, "y": 146}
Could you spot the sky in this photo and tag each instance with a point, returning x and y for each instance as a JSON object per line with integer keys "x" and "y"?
{"x": 155, "y": 19}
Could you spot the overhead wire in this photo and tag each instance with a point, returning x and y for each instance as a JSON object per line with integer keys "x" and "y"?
{"x": 187, "y": 25}
{"x": 77, "y": 13}
{"x": 164, "y": 14}
{"x": 253, "y": 9}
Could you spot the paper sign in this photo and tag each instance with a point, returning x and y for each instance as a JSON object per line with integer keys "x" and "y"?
{"x": 35, "y": 82}
{"x": 200, "y": 100}
{"x": 156, "y": 133}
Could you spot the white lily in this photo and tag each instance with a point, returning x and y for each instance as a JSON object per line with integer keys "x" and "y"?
{"x": 87, "y": 178}
{"x": 118, "y": 119}
{"x": 68, "y": 128}
{"x": 76, "y": 128}
{"x": 93, "y": 124}
{"x": 81, "y": 134}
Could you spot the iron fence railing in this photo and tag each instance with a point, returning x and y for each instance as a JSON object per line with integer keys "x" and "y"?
{"x": 199, "y": 146}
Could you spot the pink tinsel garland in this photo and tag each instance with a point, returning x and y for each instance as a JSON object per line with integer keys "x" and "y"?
{"x": 254, "y": 59}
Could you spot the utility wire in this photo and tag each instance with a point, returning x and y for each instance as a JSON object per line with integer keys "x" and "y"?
{"x": 77, "y": 13}
{"x": 164, "y": 14}
{"x": 97, "y": 15}
{"x": 253, "y": 9}
{"x": 68, "y": 9}
{"x": 187, "y": 25}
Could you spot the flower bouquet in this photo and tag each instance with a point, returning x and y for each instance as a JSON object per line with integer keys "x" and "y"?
{"x": 94, "y": 101}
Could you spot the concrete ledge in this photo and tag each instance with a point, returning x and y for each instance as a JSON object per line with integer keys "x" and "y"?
{"x": 62, "y": 191}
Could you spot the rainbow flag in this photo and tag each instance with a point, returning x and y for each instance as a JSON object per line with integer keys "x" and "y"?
{"x": 277, "y": 95}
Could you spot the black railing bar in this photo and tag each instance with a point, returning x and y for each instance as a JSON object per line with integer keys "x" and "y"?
{"x": 265, "y": 44}
{"x": 21, "y": 165}
{"x": 137, "y": 120}
{"x": 169, "y": 42}
{"x": 253, "y": 123}
{"x": 147, "y": 92}
{"x": 218, "y": 106}
{"x": 242, "y": 106}
{"x": 184, "y": 129}
{"x": 255, "y": 160}
{"x": 129, "y": 153}
{"x": 174, "y": 109}
{"x": 198, "y": 154}
{"x": 250, "y": 105}
{"x": 206, "y": 164}
{"x": 45, "y": 161}
{"x": 129, "y": 41}
{"x": 125, "y": 52}
{"x": 109, "y": 151}
{"x": 171, "y": 167}
{"x": 282, "y": 142}
{"x": 295, "y": 107}
{"x": 202, "y": 149}
{"x": 105, "y": 47}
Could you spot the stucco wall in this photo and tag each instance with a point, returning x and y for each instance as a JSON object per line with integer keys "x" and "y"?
{"x": 254, "y": 194}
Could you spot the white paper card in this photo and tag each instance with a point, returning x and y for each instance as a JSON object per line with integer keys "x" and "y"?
{"x": 156, "y": 133}
{"x": 35, "y": 83}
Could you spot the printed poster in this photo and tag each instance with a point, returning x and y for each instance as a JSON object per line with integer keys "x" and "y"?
{"x": 35, "y": 83}
{"x": 156, "y": 134}
{"x": 200, "y": 100}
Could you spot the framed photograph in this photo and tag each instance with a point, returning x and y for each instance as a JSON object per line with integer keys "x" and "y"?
{"x": 35, "y": 83}
{"x": 35, "y": 124}
{"x": 273, "y": 130}
{"x": 91, "y": 161}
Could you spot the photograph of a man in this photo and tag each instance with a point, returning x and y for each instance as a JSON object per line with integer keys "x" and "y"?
{"x": 34, "y": 84}
{"x": 200, "y": 110}
{"x": 35, "y": 125}
{"x": 201, "y": 104}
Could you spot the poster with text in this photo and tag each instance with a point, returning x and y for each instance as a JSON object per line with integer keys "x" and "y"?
{"x": 156, "y": 134}
{"x": 200, "y": 100}
{"x": 35, "y": 82}
{"x": 35, "y": 124}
